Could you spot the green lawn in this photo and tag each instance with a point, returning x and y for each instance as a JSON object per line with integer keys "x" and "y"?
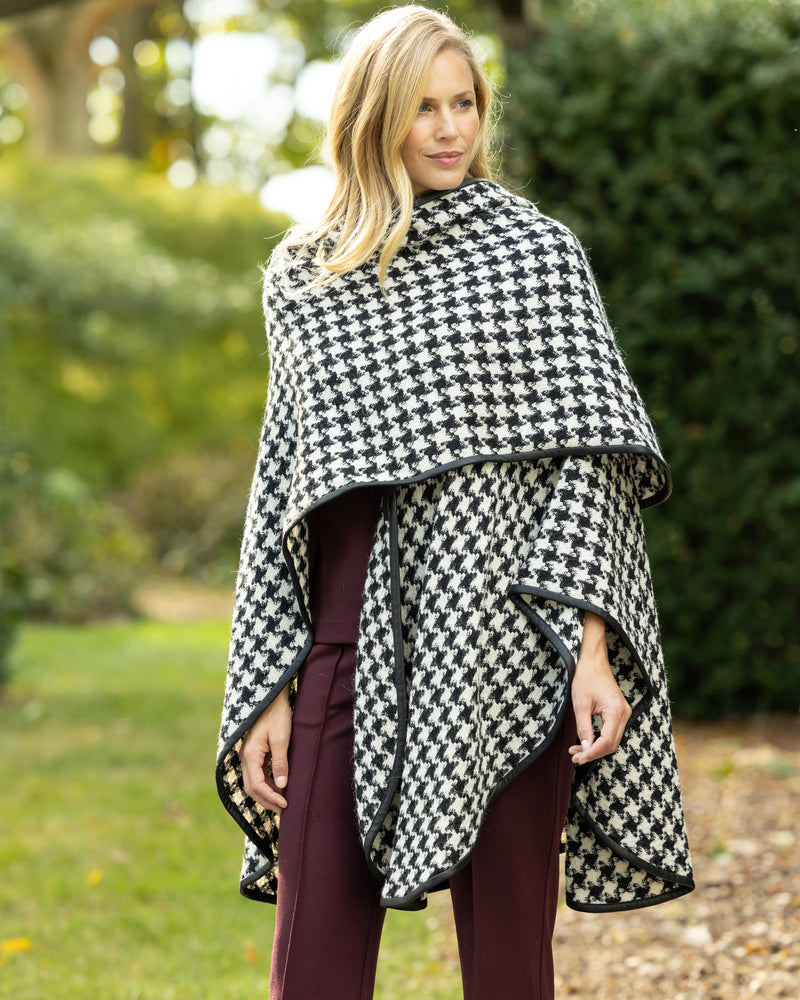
{"x": 118, "y": 866}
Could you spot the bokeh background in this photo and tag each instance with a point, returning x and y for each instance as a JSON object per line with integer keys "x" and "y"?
{"x": 151, "y": 154}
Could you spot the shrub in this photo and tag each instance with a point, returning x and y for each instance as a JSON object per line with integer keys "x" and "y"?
{"x": 69, "y": 555}
{"x": 666, "y": 136}
{"x": 131, "y": 325}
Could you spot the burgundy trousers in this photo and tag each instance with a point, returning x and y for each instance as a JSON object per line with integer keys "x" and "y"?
{"x": 329, "y": 920}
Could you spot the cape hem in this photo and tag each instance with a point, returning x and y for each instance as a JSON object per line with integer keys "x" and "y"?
{"x": 410, "y": 901}
{"x": 635, "y": 904}
{"x": 249, "y": 891}
{"x": 628, "y": 855}
{"x": 511, "y": 456}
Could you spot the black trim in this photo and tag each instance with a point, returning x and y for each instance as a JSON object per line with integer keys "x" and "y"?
{"x": 633, "y": 904}
{"x": 287, "y": 558}
{"x": 438, "y": 881}
{"x": 412, "y": 901}
{"x": 247, "y": 890}
{"x": 511, "y": 456}
{"x": 390, "y": 507}
{"x": 626, "y": 855}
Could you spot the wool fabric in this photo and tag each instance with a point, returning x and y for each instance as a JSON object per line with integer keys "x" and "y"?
{"x": 484, "y": 389}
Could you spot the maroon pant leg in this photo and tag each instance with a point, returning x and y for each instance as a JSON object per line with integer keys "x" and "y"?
{"x": 329, "y": 919}
{"x": 504, "y": 900}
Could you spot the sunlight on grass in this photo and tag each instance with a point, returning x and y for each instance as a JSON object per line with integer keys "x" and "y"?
{"x": 120, "y": 867}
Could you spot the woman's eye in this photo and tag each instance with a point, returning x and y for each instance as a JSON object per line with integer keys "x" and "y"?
{"x": 466, "y": 103}
{"x": 422, "y": 107}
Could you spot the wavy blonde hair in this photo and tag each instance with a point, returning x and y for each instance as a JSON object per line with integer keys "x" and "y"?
{"x": 382, "y": 81}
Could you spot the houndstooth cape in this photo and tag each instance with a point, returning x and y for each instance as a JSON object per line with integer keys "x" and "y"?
{"x": 485, "y": 389}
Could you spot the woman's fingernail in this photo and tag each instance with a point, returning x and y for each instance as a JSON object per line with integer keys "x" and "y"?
{"x": 280, "y": 781}
{"x": 585, "y": 744}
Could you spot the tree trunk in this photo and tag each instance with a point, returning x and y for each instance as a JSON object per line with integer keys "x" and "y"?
{"x": 132, "y": 26}
{"x": 48, "y": 51}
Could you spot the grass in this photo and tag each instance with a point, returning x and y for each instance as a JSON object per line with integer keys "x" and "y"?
{"x": 119, "y": 865}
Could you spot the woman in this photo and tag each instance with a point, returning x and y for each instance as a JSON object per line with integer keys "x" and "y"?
{"x": 444, "y": 643}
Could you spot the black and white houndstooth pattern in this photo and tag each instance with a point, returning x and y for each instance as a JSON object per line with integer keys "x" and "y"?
{"x": 485, "y": 389}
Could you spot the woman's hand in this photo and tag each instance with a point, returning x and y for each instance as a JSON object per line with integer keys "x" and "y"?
{"x": 595, "y": 692}
{"x": 265, "y": 743}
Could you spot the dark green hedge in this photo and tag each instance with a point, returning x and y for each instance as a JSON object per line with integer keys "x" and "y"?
{"x": 666, "y": 136}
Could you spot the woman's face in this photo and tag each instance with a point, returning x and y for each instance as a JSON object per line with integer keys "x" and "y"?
{"x": 438, "y": 150}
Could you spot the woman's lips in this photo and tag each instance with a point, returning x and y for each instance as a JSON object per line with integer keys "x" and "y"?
{"x": 446, "y": 159}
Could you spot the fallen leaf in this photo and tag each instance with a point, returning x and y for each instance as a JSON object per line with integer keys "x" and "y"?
{"x": 15, "y": 944}
{"x": 94, "y": 876}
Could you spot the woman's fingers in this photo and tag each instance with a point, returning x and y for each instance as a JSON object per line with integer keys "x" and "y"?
{"x": 596, "y": 692}
{"x": 614, "y": 710}
{"x": 279, "y": 745}
{"x": 607, "y": 741}
{"x": 264, "y": 756}
{"x": 255, "y": 756}
{"x": 583, "y": 718}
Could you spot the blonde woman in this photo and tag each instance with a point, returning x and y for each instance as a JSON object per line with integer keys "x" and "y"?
{"x": 445, "y": 650}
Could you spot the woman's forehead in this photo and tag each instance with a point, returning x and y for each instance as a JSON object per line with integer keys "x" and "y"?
{"x": 449, "y": 70}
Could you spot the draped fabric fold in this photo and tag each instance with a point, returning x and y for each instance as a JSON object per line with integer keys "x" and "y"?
{"x": 626, "y": 808}
{"x": 486, "y": 393}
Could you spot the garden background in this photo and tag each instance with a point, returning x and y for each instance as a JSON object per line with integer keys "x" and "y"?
{"x": 133, "y": 379}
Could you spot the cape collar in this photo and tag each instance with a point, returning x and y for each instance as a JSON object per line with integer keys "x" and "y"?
{"x": 434, "y": 195}
{"x": 475, "y": 196}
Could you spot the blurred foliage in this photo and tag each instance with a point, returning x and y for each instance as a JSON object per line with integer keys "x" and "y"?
{"x": 71, "y": 554}
{"x": 131, "y": 323}
{"x": 138, "y": 98}
{"x": 665, "y": 135}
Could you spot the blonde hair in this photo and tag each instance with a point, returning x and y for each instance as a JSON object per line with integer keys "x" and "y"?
{"x": 382, "y": 81}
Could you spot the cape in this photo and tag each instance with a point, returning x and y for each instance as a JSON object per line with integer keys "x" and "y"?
{"x": 483, "y": 388}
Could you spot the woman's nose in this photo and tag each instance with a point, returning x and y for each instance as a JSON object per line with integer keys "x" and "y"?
{"x": 446, "y": 125}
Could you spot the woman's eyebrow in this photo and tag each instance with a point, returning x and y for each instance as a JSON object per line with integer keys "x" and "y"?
{"x": 456, "y": 97}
